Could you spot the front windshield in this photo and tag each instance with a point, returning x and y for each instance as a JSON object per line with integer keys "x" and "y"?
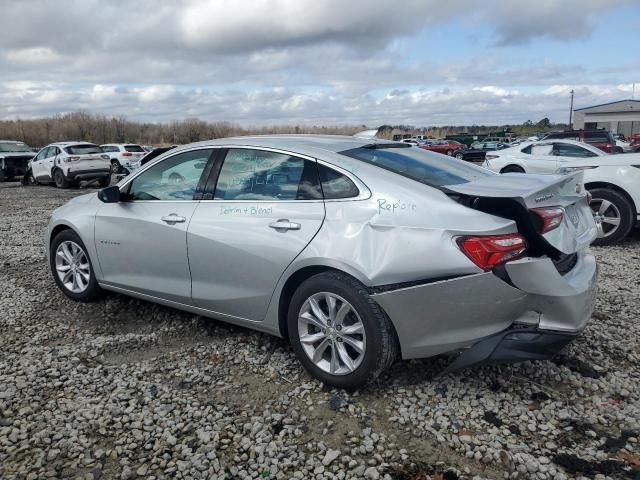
{"x": 7, "y": 147}
{"x": 418, "y": 164}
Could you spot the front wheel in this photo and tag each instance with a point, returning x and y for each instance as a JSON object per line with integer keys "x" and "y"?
{"x": 615, "y": 214}
{"x": 71, "y": 267}
{"x": 60, "y": 180}
{"x": 115, "y": 166}
{"x": 460, "y": 156}
{"x": 340, "y": 335}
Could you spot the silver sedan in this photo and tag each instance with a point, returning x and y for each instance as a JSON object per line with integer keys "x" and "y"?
{"x": 359, "y": 252}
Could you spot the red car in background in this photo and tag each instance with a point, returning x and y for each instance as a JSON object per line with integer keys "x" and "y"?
{"x": 634, "y": 140}
{"x": 447, "y": 147}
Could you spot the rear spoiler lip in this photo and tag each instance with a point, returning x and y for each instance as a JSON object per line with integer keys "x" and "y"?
{"x": 530, "y": 190}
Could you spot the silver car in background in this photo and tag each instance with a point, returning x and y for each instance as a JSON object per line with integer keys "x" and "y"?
{"x": 358, "y": 251}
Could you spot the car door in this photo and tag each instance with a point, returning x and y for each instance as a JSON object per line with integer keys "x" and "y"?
{"x": 266, "y": 208}
{"x": 142, "y": 241}
{"x": 37, "y": 165}
{"x": 541, "y": 158}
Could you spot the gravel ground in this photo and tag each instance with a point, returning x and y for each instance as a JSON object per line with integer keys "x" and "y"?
{"x": 127, "y": 389}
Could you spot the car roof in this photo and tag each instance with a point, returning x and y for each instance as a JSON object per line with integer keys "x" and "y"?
{"x": 117, "y": 144}
{"x": 303, "y": 144}
{"x": 64, "y": 144}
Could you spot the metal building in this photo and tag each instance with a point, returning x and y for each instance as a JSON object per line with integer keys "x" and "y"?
{"x": 618, "y": 117}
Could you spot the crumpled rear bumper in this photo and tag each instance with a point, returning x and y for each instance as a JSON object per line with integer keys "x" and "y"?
{"x": 513, "y": 345}
{"x": 456, "y": 314}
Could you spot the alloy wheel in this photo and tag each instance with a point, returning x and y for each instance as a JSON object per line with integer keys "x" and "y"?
{"x": 72, "y": 266}
{"x": 608, "y": 214}
{"x": 331, "y": 333}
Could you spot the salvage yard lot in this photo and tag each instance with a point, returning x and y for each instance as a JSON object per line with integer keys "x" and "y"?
{"x": 123, "y": 388}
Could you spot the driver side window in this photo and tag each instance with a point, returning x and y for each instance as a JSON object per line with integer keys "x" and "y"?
{"x": 175, "y": 178}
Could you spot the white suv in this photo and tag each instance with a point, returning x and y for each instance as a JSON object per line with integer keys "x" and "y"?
{"x": 67, "y": 163}
{"x": 124, "y": 157}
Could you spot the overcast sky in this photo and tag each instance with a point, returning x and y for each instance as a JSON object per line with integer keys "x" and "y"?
{"x": 257, "y": 62}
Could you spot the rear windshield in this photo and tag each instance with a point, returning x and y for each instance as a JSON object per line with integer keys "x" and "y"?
{"x": 14, "y": 147}
{"x": 83, "y": 149}
{"x": 419, "y": 164}
{"x": 134, "y": 148}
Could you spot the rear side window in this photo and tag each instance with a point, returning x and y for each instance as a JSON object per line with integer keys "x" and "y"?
{"x": 266, "y": 176}
{"x": 335, "y": 185}
{"x": 568, "y": 150}
{"x": 419, "y": 164}
{"x": 83, "y": 149}
{"x": 134, "y": 148}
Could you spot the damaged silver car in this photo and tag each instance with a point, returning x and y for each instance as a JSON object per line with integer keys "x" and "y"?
{"x": 357, "y": 251}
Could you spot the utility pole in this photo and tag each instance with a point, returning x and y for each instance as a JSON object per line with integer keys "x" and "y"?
{"x": 571, "y": 110}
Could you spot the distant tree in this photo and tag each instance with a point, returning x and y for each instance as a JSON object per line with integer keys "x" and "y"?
{"x": 544, "y": 123}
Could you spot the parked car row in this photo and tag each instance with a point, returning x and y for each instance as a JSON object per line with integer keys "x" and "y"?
{"x": 612, "y": 180}
{"x": 66, "y": 164}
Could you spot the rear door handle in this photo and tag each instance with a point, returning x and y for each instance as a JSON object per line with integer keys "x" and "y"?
{"x": 284, "y": 224}
{"x": 173, "y": 218}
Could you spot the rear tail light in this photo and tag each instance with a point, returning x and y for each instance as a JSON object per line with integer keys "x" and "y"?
{"x": 551, "y": 217}
{"x": 608, "y": 148}
{"x": 489, "y": 251}
{"x": 126, "y": 154}
{"x": 72, "y": 159}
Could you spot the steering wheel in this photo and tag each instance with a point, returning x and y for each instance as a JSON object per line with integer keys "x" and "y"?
{"x": 176, "y": 179}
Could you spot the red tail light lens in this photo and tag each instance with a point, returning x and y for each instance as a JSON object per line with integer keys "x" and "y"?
{"x": 126, "y": 154}
{"x": 489, "y": 251}
{"x": 551, "y": 217}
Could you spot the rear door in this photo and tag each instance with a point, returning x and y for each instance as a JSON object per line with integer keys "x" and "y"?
{"x": 142, "y": 242}
{"x": 266, "y": 208}
{"x": 542, "y": 158}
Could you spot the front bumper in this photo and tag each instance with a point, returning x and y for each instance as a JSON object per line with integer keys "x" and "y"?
{"x": 453, "y": 315}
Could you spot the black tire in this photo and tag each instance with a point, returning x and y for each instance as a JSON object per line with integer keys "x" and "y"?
{"x": 105, "y": 181}
{"x": 93, "y": 290}
{"x": 28, "y": 179}
{"x": 512, "y": 169}
{"x": 459, "y": 155}
{"x": 625, "y": 209}
{"x": 3, "y": 176}
{"x": 59, "y": 179}
{"x": 115, "y": 166}
{"x": 382, "y": 347}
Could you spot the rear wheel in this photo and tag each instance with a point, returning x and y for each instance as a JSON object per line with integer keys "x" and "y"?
{"x": 459, "y": 156}
{"x": 512, "y": 169}
{"x": 60, "y": 180}
{"x": 71, "y": 267}
{"x": 340, "y": 335}
{"x": 615, "y": 213}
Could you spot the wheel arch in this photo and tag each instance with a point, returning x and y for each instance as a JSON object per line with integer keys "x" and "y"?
{"x": 512, "y": 165}
{"x": 615, "y": 188}
{"x": 59, "y": 229}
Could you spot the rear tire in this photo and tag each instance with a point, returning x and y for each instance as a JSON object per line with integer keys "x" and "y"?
{"x": 612, "y": 207}
{"x": 86, "y": 289}
{"x": 115, "y": 166}
{"x": 512, "y": 169}
{"x": 59, "y": 179}
{"x": 377, "y": 341}
{"x": 459, "y": 156}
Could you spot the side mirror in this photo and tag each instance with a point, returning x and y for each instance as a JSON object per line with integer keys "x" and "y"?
{"x": 109, "y": 194}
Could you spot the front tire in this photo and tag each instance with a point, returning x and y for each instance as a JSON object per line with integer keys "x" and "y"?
{"x": 60, "y": 180}
{"x": 339, "y": 334}
{"x": 71, "y": 267}
{"x": 115, "y": 166}
{"x": 616, "y": 215}
{"x": 459, "y": 156}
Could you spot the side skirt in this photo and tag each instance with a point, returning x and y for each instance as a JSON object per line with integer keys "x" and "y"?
{"x": 242, "y": 322}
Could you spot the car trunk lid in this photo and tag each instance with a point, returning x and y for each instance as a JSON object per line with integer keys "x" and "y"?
{"x": 517, "y": 196}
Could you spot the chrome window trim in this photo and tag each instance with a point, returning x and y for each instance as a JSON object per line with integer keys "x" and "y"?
{"x": 364, "y": 192}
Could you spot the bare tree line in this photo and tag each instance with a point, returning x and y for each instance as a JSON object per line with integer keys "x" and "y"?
{"x": 98, "y": 128}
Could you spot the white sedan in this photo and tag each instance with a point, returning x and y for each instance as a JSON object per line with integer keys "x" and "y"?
{"x": 612, "y": 180}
